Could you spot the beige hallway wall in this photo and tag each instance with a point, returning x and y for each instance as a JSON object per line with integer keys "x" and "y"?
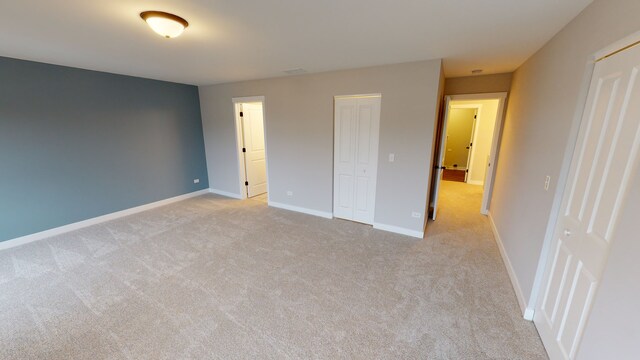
{"x": 299, "y": 133}
{"x": 478, "y": 84}
{"x": 543, "y": 101}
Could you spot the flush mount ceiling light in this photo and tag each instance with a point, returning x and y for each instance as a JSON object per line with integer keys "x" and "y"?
{"x": 165, "y": 24}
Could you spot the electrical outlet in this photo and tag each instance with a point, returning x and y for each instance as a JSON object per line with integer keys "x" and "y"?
{"x": 289, "y": 193}
{"x": 416, "y": 215}
{"x": 392, "y": 157}
{"x": 196, "y": 181}
{"x": 547, "y": 181}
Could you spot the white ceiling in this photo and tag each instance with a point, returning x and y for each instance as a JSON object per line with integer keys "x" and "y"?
{"x": 232, "y": 40}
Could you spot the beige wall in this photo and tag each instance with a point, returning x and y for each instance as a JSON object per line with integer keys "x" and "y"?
{"x": 546, "y": 91}
{"x": 478, "y": 84}
{"x": 299, "y": 134}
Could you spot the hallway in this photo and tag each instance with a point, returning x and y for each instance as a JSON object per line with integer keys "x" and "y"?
{"x": 458, "y": 209}
{"x": 465, "y": 238}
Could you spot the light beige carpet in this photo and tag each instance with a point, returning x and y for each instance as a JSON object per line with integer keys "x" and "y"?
{"x": 215, "y": 278}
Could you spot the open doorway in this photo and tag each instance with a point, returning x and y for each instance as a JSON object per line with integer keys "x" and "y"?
{"x": 251, "y": 145}
{"x": 458, "y": 142}
{"x": 467, "y": 144}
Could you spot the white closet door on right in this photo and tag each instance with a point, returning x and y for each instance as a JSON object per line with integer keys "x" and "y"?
{"x": 602, "y": 166}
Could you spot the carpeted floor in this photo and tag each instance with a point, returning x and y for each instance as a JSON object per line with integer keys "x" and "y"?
{"x": 215, "y": 278}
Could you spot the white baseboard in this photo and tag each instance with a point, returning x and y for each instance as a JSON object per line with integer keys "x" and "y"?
{"x": 323, "y": 214}
{"x": 527, "y": 312}
{"x": 475, "y": 182}
{"x": 399, "y": 230}
{"x": 226, "y": 193}
{"x": 93, "y": 221}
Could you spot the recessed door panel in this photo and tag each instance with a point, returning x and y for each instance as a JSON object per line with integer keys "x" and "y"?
{"x": 364, "y": 134}
{"x": 580, "y": 296}
{"x": 600, "y": 116}
{"x": 345, "y": 122}
{"x": 551, "y": 302}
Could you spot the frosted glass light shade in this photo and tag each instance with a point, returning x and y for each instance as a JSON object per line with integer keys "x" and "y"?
{"x": 165, "y": 24}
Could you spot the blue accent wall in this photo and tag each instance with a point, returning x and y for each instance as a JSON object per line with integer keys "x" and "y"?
{"x": 76, "y": 144}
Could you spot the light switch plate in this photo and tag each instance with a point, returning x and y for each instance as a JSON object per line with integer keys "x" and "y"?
{"x": 547, "y": 181}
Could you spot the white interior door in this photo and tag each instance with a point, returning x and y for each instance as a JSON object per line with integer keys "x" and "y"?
{"x": 439, "y": 168}
{"x": 253, "y": 137}
{"x": 470, "y": 147}
{"x": 601, "y": 168}
{"x": 491, "y": 161}
{"x": 357, "y": 128}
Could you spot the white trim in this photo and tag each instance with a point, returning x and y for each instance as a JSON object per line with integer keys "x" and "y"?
{"x": 527, "y": 312}
{"x": 226, "y": 193}
{"x": 358, "y": 96}
{"x": 319, "y": 213}
{"x": 479, "y": 96}
{"x": 399, "y": 230}
{"x": 96, "y": 220}
{"x": 618, "y": 45}
{"x": 475, "y": 182}
{"x": 248, "y": 99}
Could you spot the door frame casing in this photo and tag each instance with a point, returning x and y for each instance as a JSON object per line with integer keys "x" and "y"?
{"x": 242, "y": 176}
{"x": 495, "y": 144}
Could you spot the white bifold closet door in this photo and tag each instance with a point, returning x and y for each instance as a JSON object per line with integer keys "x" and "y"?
{"x": 357, "y": 129}
{"x": 603, "y": 164}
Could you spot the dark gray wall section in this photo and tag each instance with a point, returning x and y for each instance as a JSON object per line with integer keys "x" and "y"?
{"x": 76, "y": 144}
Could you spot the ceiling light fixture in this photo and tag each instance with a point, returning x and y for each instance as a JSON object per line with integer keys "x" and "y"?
{"x": 165, "y": 24}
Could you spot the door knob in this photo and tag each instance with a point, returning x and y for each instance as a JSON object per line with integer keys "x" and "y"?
{"x": 567, "y": 232}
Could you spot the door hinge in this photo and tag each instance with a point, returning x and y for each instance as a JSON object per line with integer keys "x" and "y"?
{"x": 241, "y": 114}
{"x": 246, "y": 183}
{"x": 244, "y": 149}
